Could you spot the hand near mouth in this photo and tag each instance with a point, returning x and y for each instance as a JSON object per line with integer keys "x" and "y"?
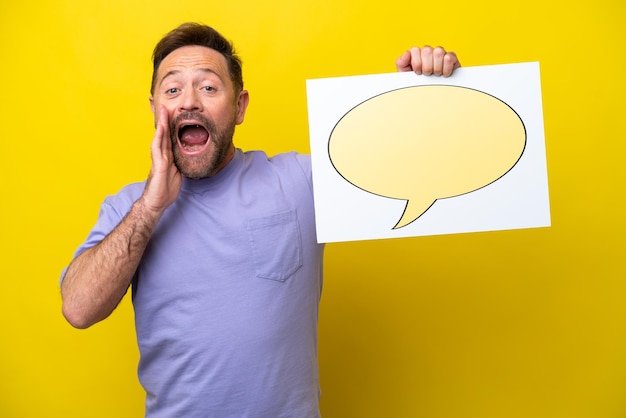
{"x": 164, "y": 181}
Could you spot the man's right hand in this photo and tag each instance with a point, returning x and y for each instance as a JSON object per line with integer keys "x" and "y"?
{"x": 164, "y": 181}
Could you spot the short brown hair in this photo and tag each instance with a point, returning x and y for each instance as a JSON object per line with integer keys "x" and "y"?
{"x": 202, "y": 35}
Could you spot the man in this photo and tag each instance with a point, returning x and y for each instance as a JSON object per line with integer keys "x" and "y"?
{"x": 219, "y": 246}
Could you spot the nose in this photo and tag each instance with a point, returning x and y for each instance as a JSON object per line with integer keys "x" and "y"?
{"x": 190, "y": 101}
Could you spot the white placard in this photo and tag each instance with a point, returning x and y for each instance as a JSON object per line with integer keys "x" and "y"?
{"x": 397, "y": 155}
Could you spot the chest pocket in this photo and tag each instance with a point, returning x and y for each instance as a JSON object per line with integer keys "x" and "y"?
{"x": 276, "y": 245}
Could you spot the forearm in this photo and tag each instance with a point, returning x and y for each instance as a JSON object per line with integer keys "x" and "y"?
{"x": 97, "y": 279}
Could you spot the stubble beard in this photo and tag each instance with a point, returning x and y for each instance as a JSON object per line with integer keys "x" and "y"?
{"x": 202, "y": 166}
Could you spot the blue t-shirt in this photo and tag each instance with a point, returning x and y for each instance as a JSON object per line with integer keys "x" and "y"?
{"x": 226, "y": 296}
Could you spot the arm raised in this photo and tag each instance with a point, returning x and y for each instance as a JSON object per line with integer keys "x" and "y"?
{"x": 98, "y": 278}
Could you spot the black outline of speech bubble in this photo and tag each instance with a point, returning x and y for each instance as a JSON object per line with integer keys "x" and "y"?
{"x": 447, "y": 197}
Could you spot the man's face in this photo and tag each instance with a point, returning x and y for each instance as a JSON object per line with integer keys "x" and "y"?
{"x": 194, "y": 86}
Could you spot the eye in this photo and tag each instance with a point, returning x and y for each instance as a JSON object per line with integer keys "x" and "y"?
{"x": 208, "y": 88}
{"x": 172, "y": 90}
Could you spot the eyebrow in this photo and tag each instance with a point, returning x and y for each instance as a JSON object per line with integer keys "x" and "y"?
{"x": 202, "y": 70}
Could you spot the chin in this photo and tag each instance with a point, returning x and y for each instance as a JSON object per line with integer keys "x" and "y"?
{"x": 198, "y": 168}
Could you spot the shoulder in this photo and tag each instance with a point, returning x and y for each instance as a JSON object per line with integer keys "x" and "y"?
{"x": 290, "y": 167}
{"x": 287, "y": 160}
{"x": 125, "y": 197}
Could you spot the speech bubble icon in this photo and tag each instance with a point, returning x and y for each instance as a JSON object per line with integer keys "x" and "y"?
{"x": 425, "y": 143}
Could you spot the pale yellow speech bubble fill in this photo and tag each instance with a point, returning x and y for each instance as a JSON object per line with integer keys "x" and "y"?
{"x": 426, "y": 143}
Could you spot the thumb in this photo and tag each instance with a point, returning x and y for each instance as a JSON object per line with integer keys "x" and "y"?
{"x": 403, "y": 63}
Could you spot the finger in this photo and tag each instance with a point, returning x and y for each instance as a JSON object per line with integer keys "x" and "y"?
{"x": 427, "y": 60}
{"x": 155, "y": 145}
{"x": 160, "y": 148}
{"x": 438, "y": 57}
{"x": 416, "y": 60}
{"x": 450, "y": 63}
{"x": 165, "y": 143}
{"x": 403, "y": 63}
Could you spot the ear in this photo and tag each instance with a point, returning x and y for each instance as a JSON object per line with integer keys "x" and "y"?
{"x": 154, "y": 111}
{"x": 242, "y": 105}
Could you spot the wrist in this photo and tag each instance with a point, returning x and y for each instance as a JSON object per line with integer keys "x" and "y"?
{"x": 147, "y": 212}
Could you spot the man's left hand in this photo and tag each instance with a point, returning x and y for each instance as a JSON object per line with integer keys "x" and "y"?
{"x": 428, "y": 61}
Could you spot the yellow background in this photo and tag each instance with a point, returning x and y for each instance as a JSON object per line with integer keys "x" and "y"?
{"x": 528, "y": 323}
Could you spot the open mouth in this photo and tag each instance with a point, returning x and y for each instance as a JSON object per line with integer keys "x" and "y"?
{"x": 192, "y": 138}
